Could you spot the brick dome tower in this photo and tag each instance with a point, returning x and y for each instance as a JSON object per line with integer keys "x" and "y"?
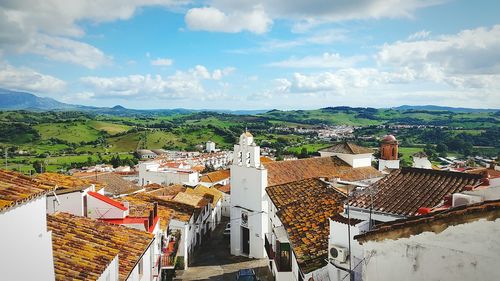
{"x": 388, "y": 153}
{"x": 389, "y": 148}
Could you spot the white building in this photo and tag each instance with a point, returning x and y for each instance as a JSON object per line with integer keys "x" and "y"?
{"x": 249, "y": 179}
{"x": 354, "y": 155}
{"x": 154, "y": 172}
{"x": 26, "y": 241}
{"x": 210, "y": 146}
{"x": 248, "y": 208}
{"x": 421, "y": 161}
{"x": 457, "y": 244}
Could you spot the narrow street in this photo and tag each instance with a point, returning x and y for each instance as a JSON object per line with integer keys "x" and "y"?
{"x": 213, "y": 261}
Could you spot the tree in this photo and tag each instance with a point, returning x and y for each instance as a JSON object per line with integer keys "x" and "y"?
{"x": 303, "y": 153}
{"x": 38, "y": 166}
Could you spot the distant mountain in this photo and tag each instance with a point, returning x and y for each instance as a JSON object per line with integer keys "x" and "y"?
{"x": 12, "y": 100}
{"x": 443, "y": 108}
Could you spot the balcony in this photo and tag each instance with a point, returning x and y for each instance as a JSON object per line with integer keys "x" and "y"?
{"x": 269, "y": 246}
{"x": 283, "y": 257}
{"x": 168, "y": 256}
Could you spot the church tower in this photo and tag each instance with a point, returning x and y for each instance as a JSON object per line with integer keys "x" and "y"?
{"x": 248, "y": 208}
{"x": 388, "y": 153}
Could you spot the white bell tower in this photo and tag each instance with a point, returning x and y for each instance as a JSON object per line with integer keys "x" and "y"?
{"x": 246, "y": 153}
{"x": 248, "y": 207}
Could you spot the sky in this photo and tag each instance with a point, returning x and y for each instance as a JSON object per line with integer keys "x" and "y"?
{"x": 253, "y": 54}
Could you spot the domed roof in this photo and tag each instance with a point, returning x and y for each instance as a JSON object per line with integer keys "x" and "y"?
{"x": 389, "y": 138}
{"x": 247, "y": 134}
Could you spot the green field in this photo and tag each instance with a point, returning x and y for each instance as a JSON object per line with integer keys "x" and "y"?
{"x": 108, "y": 127}
{"x": 71, "y": 132}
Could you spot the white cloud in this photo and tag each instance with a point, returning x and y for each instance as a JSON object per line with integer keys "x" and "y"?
{"x": 419, "y": 35}
{"x": 182, "y": 84}
{"x": 239, "y": 15}
{"x": 327, "y": 60}
{"x": 212, "y": 19}
{"x": 322, "y": 37}
{"x": 66, "y": 50}
{"x": 51, "y": 28}
{"x": 469, "y": 58}
{"x": 27, "y": 79}
{"x": 162, "y": 62}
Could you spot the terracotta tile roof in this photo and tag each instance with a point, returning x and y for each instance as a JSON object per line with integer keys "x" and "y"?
{"x": 16, "y": 188}
{"x": 65, "y": 181}
{"x": 304, "y": 208}
{"x": 265, "y": 159}
{"x": 191, "y": 199}
{"x": 71, "y": 261}
{"x": 405, "y": 190}
{"x": 433, "y": 222}
{"x": 420, "y": 154}
{"x": 181, "y": 211}
{"x": 170, "y": 190}
{"x": 280, "y": 172}
{"x": 108, "y": 200}
{"x": 141, "y": 208}
{"x": 115, "y": 184}
{"x": 203, "y": 191}
{"x": 216, "y": 176}
{"x": 225, "y": 188}
{"x": 347, "y": 148}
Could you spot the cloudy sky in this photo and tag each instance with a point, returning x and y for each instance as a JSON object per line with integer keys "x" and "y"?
{"x": 253, "y": 54}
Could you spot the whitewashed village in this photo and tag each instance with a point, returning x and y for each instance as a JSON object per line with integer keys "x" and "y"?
{"x": 342, "y": 216}
{"x": 249, "y": 140}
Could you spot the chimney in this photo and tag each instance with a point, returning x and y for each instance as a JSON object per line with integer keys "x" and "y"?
{"x": 150, "y": 219}
{"x": 448, "y": 200}
{"x": 155, "y": 209}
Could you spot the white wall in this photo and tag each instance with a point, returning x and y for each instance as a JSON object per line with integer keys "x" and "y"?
{"x": 354, "y": 160}
{"x": 167, "y": 177}
{"x": 25, "y": 244}
{"x": 226, "y": 204}
{"x": 422, "y": 163}
{"x": 248, "y": 191}
{"x": 339, "y": 236}
{"x": 468, "y": 251}
{"x": 111, "y": 273}
{"x": 69, "y": 203}
{"x": 387, "y": 164}
{"x": 147, "y": 261}
{"x": 98, "y": 209}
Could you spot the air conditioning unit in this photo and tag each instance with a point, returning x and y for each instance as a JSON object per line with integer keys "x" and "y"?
{"x": 337, "y": 253}
{"x": 460, "y": 199}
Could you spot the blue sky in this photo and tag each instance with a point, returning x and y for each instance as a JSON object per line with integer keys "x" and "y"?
{"x": 253, "y": 54}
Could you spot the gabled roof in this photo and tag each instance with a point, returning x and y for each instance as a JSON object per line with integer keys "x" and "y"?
{"x": 280, "y": 172}
{"x": 224, "y": 188}
{"x": 347, "y": 148}
{"x": 194, "y": 200}
{"x": 405, "y": 190}
{"x": 79, "y": 241}
{"x": 420, "y": 154}
{"x": 434, "y": 222}
{"x": 115, "y": 184}
{"x": 216, "y": 176}
{"x": 107, "y": 200}
{"x": 68, "y": 182}
{"x": 304, "y": 208}
{"x": 181, "y": 211}
{"x": 141, "y": 208}
{"x": 170, "y": 190}
{"x": 203, "y": 191}
{"x": 16, "y": 188}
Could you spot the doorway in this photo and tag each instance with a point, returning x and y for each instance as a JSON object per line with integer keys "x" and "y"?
{"x": 245, "y": 240}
